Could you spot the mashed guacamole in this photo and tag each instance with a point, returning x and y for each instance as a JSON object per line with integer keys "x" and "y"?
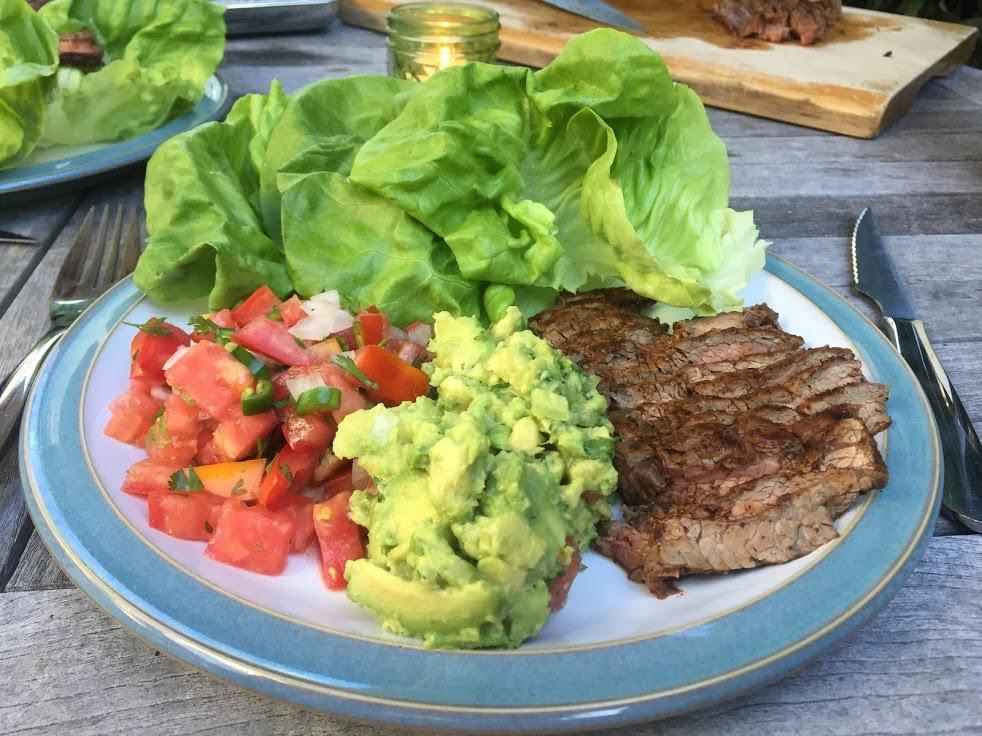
{"x": 480, "y": 492}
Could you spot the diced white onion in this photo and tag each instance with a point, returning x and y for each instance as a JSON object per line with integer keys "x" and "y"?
{"x": 296, "y": 385}
{"x": 325, "y": 317}
{"x": 160, "y": 393}
{"x": 420, "y": 333}
{"x": 178, "y": 354}
{"x": 396, "y": 334}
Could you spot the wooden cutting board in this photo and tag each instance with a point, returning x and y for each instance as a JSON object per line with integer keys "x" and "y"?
{"x": 857, "y": 80}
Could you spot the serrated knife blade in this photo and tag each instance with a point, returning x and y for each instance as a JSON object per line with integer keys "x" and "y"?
{"x": 874, "y": 275}
{"x": 599, "y": 11}
{"x": 873, "y": 272}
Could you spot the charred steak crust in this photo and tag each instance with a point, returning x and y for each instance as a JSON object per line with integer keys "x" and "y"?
{"x": 737, "y": 446}
{"x": 779, "y": 20}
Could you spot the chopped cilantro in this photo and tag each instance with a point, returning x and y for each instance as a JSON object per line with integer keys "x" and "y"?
{"x": 186, "y": 481}
{"x": 274, "y": 314}
{"x": 239, "y": 488}
{"x": 153, "y": 326}
{"x": 205, "y": 326}
{"x": 348, "y": 365}
{"x": 287, "y": 473}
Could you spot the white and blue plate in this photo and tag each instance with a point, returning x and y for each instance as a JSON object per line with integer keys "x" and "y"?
{"x": 614, "y": 655}
{"x": 61, "y": 166}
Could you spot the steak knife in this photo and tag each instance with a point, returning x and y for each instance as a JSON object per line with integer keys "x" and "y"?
{"x": 873, "y": 274}
{"x": 599, "y": 11}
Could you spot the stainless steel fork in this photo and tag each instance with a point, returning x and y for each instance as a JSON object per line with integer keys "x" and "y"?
{"x": 105, "y": 250}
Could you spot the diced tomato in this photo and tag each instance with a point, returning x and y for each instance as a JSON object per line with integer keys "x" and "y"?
{"x": 323, "y": 351}
{"x": 371, "y": 327}
{"x": 397, "y": 380}
{"x": 340, "y": 483}
{"x": 313, "y": 432}
{"x": 224, "y": 318}
{"x": 420, "y": 333}
{"x": 158, "y": 390}
{"x": 184, "y": 515}
{"x": 233, "y": 480}
{"x": 259, "y": 304}
{"x": 292, "y": 311}
{"x": 352, "y": 399}
{"x": 559, "y": 586}
{"x": 208, "y": 452}
{"x": 237, "y": 436}
{"x": 147, "y": 477}
{"x": 252, "y": 537}
{"x": 211, "y": 378}
{"x": 173, "y": 437}
{"x": 339, "y": 539}
{"x": 302, "y": 510}
{"x": 132, "y": 415}
{"x": 150, "y": 351}
{"x": 181, "y": 417}
{"x": 289, "y": 472}
{"x": 273, "y": 340}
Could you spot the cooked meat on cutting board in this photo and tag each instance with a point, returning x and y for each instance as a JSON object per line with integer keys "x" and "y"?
{"x": 80, "y": 50}
{"x": 737, "y": 446}
{"x": 779, "y": 20}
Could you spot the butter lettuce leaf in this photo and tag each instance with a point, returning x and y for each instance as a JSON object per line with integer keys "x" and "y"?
{"x": 159, "y": 56}
{"x": 202, "y": 200}
{"x": 28, "y": 61}
{"x": 322, "y": 128}
{"x": 658, "y": 195}
{"x": 338, "y": 235}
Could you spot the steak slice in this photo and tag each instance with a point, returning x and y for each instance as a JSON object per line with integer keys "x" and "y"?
{"x": 759, "y": 315}
{"x": 736, "y": 446}
{"x": 779, "y": 20}
{"x": 663, "y": 547}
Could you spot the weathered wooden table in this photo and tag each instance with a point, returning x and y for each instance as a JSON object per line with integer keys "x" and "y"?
{"x": 65, "y": 667}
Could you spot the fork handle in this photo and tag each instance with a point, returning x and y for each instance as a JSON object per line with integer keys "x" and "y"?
{"x": 14, "y": 393}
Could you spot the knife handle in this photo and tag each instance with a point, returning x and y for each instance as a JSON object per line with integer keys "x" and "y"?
{"x": 960, "y": 445}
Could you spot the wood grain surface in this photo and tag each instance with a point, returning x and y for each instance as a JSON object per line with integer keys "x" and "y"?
{"x": 857, "y": 80}
{"x": 65, "y": 667}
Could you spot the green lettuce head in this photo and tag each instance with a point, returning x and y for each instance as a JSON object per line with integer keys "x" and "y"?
{"x": 159, "y": 56}
{"x": 28, "y": 59}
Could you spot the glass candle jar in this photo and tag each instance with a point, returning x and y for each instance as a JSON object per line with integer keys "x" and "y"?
{"x": 427, "y": 37}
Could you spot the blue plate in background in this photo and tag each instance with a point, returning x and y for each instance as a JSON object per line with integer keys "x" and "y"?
{"x": 58, "y": 166}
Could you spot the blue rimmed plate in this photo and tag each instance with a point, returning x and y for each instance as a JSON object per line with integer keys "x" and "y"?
{"x": 60, "y": 166}
{"x": 614, "y": 655}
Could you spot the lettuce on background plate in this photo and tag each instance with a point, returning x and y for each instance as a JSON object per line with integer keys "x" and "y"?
{"x": 28, "y": 59}
{"x": 159, "y": 55}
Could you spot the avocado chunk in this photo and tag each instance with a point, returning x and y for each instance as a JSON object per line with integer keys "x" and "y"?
{"x": 478, "y": 500}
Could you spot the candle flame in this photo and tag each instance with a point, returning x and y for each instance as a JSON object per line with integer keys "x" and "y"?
{"x": 446, "y": 57}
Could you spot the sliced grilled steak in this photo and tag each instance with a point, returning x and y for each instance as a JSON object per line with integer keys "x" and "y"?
{"x": 779, "y": 20}
{"x": 736, "y": 446}
{"x": 757, "y": 316}
{"x": 663, "y": 547}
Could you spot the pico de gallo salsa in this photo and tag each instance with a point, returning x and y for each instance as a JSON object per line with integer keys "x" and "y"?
{"x": 237, "y": 415}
